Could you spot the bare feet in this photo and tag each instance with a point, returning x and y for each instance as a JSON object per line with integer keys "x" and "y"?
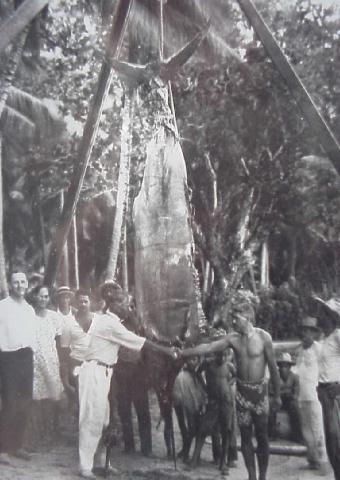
{"x": 22, "y": 454}
{"x": 87, "y": 474}
{"x": 5, "y": 459}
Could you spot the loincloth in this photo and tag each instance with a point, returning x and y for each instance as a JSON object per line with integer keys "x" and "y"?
{"x": 251, "y": 400}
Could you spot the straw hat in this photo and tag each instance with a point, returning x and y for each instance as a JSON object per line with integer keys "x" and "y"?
{"x": 285, "y": 358}
{"x": 64, "y": 289}
{"x": 332, "y": 306}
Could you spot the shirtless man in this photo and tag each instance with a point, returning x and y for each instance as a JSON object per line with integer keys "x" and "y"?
{"x": 253, "y": 351}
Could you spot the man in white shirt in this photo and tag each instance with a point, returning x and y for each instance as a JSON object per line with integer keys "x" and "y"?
{"x": 329, "y": 378}
{"x": 307, "y": 369}
{"x": 17, "y": 343}
{"x": 107, "y": 334}
{"x": 74, "y": 340}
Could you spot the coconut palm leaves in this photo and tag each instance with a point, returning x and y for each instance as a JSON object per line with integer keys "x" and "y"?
{"x": 19, "y": 21}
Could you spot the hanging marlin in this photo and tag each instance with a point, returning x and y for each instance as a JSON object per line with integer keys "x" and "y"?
{"x": 167, "y": 291}
{"x": 165, "y": 278}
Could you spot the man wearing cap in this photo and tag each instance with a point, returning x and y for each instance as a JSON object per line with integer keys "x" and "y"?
{"x": 64, "y": 296}
{"x": 107, "y": 334}
{"x": 307, "y": 369}
{"x": 289, "y": 386}
{"x": 17, "y": 344}
{"x": 328, "y": 315}
{"x": 253, "y": 351}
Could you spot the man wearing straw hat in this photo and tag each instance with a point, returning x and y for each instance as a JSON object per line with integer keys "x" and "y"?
{"x": 328, "y": 315}
{"x": 307, "y": 369}
{"x": 289, "y": 386}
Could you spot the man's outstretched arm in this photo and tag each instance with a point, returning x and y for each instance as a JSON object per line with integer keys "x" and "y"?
{"x": 207, "y": 348}
{"x": 171, "y": 352}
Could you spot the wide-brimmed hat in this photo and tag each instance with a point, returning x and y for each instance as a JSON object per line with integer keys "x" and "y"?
{"x": 332, "y": 306}
{"x": 309, "y": 322}
{"x": 285, "y": 358}
{"x": 64, "y": 289}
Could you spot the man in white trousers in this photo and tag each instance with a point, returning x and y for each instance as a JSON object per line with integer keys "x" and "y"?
{"x": 311, "y": 416}
{"x": 107, "y": 334}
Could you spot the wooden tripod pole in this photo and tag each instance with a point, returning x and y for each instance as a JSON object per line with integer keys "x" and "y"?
{"x": 302, "y": 97}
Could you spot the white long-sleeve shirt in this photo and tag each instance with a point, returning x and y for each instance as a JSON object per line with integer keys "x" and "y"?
{"x": 107, "y": 334}
{"x": 329, "y": 360}
{"x": 17, "y": 325}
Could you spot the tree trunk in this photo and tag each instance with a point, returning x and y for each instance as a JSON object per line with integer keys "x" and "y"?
{"x": 125, "y": 270}
{"x": 73, "y": 255}
{"x": 206, "y": 280}
{"x": 123, "y": 185}
{"x": 42, "y": 230}
{"x": 3, "y": 281}
{"x": 63, "y": 271}
{"x": 6, "y": 81}
{"x": 265, "y": 265}
{"x": 293, "y": 255}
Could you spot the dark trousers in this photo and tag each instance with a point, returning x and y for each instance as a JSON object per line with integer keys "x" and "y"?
{"x": 132, "y": 390}
{"x": 331, "y": 419}
{"x": 290, "y": 406}
{"x": 16, "y": 377}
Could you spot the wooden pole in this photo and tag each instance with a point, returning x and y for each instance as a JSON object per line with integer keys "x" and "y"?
{"x": 302, "y": 97}
{"x": 20, "y": 19}
{"x": 63, "y": 270}
{"x": 285, "y": 345}
{"x": 113, "y": 47}
{"x": 42, "y": 230}
{"x": 287, "y": 450}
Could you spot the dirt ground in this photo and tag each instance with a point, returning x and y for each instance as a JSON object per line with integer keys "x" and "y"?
{"x": 58, "y": 461}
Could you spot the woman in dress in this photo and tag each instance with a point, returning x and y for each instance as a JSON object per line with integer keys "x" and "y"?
{"x": 47, "y": 386}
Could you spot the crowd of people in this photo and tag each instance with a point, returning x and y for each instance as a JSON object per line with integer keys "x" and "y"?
{"x": 44, "y": 352}
{"x": 95, "y": 359}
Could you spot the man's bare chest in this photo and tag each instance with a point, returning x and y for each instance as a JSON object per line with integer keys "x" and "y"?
{"x": 250, "y": 348}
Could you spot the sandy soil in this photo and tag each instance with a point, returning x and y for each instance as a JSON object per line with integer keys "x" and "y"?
{"x": 58, "y": 460}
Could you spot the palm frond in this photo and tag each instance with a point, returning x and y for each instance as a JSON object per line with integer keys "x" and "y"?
{"x": 182, "y": 20}
{"x": 16, "y": 128}
{"x": 194, "y": 14}
{"x": 49, "y": 124}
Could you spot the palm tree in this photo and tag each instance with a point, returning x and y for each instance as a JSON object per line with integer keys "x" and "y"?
{"x": 123, "y": 184}
{"x": 6, "y": 80}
